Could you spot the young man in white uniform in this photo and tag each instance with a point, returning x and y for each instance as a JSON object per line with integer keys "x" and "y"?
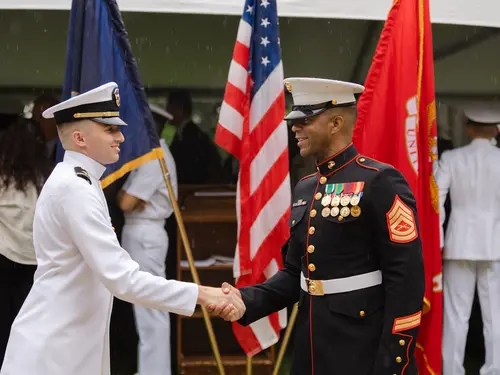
{"x": 472, "y": 245}
{"x": 63, "y": 326}
{"x": 146, "y": 204}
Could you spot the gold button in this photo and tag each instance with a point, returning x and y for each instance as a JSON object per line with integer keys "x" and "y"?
{"x": 293, "y": 222}
{"x": 361, "y": 160}
{"x": 318, "y": 196}
{"x": 399, "y": 359}
{"x": 322, "y": 180}
{"x": 331, "y": 164}
{"x": 310, "y": 249}
{"x": 362, "y": 313}
{"x": 313, "y": 213}
{"x": 341, "y": 218}
{"x": 312, "y": 230}
{"x": 402, "y": 342}
{"x": 311, "y": 267}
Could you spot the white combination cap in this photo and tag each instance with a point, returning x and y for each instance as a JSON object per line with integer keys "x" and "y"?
{"x": 483, "y": 114}
{"x": 312, "y": 96}
{"x": 100, "y": 104}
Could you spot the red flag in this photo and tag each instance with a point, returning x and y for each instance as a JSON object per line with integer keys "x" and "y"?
{"x": 397, "y": 125}
{"x": 251, "y": 127}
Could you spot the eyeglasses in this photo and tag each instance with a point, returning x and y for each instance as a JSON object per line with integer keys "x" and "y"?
{"x": 301, "y": 121}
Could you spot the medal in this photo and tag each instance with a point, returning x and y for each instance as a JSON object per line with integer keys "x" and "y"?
{"x": 325, "y": 212}
{"x": 344, "y": 201}
{"x": 355, "y": 211}
{"x": 355, "y": 200}
{"x": 345, "y": 211}
{"x": 358, "y": 193}
{"x": 336, "y": 194}
{"x": 326, "y": 200}
{"x": 336, "y": 201}
{"x": 349, "y": 192}
{"x": 334, "y": 212}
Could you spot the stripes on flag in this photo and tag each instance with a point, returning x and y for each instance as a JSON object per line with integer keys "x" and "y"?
{"x": 252, "y": 129}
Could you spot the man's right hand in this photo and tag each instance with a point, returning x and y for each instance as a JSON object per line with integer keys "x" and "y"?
{"x": 225, "y": 302}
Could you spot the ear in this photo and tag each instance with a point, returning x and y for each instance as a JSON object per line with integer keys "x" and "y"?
{"x": 78, "y": 137}
{"x": 336, "y": 123}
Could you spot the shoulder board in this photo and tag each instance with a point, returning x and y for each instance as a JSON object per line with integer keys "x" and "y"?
{"x": 82, "y": 173}
{"x": 370, "y": 163}
{"x": 308, "y": 176}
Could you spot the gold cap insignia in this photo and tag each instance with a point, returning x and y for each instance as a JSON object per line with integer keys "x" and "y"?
{"x": 288, "y": 86}
{"x": 116, "y": 96}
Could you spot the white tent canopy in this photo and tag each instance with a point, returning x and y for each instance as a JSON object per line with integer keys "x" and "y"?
{"x": 337, "y": 41}
{"x": 458, "y": 12}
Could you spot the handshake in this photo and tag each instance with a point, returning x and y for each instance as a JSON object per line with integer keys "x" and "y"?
{"x": 224, "y": 302}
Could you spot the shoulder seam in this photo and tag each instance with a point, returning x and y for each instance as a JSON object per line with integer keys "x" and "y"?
{"x": 370, "y": 167}
{"x": 365, "y": 166}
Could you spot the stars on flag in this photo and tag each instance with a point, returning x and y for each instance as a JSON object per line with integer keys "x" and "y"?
{"x": 265, "y": 22}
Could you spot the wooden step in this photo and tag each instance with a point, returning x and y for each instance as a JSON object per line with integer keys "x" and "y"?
{"x": 233, "y": 365}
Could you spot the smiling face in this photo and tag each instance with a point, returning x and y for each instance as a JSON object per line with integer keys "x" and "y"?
{"x": 314, "y": 134}
{"x": 98, "y": 141}
{"x": 103, "y": 142}
{"x": 317, "y": 136}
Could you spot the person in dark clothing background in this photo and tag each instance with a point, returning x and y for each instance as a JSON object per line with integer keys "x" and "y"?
{"x": 195, "y": 154}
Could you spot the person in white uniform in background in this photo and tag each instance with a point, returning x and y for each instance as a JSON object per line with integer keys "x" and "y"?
{"x": 472, "y": 245}
{"x": 63, "y": 325}
{"x": 146, "y": 204}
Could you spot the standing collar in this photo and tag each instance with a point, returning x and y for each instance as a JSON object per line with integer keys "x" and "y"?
{"x": 337, "y": 161}
{"x": 481, "y": 141}
{"x": 78, "y": 159}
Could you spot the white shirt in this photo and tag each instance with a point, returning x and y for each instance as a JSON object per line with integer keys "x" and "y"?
{"x": 472, "y": 176}
{"x": 17, "y": 209}
{"x": 63, "y": 326}
{"x": 147, "y": 183}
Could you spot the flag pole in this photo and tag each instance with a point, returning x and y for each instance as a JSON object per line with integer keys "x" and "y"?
{"x": 189, "y": 254}
{"x": 249, "y": 365}
{"x": 286, "y": 338}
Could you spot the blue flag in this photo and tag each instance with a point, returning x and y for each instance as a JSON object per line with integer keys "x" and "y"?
{"x": 98, "y": 51}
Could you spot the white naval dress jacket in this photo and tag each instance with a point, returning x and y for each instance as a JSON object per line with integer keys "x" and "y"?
{"x": 63, "y": 326}
{"x": 472, "y": 176}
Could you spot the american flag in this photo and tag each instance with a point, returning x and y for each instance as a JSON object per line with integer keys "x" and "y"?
{"x": 251, "y": 128}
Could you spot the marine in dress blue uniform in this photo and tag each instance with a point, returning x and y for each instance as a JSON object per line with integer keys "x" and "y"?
{"x": 354, "y": 262}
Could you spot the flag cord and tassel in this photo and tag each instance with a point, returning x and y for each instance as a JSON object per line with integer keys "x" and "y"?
{"x": 286, "y": 338}
{"x": 189, "y": 255}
